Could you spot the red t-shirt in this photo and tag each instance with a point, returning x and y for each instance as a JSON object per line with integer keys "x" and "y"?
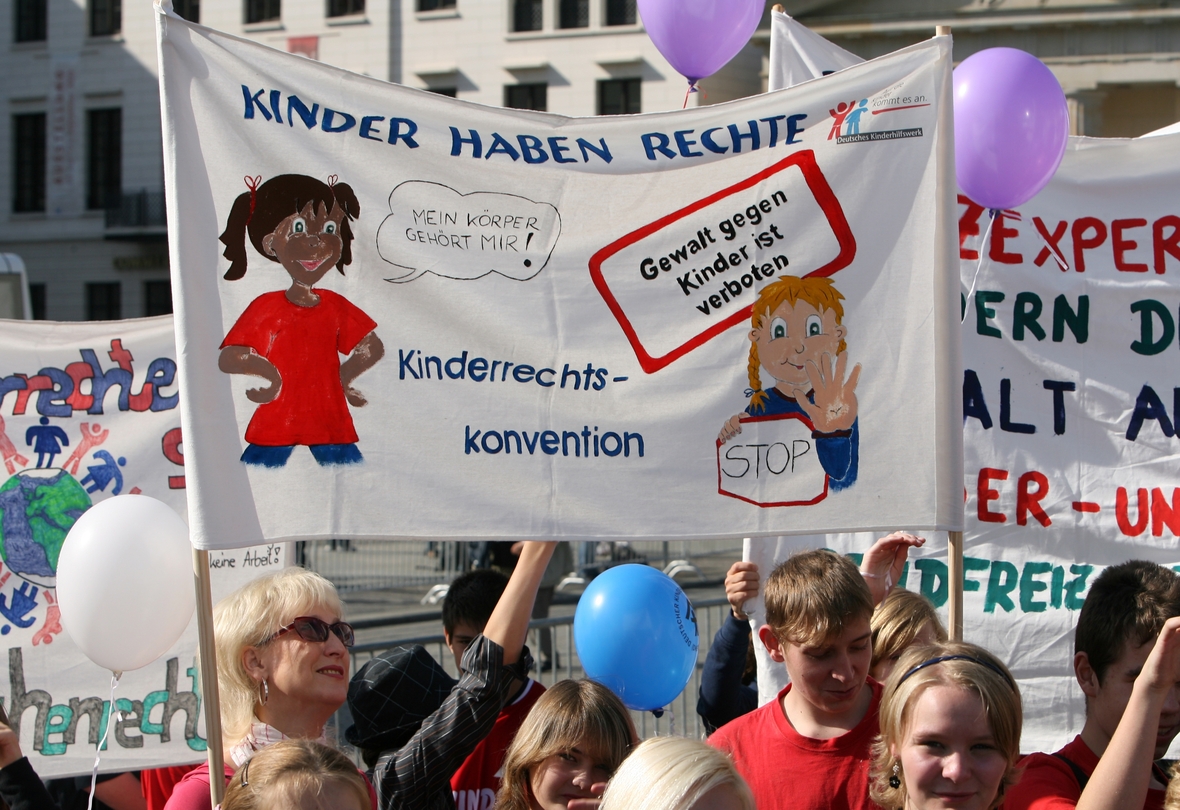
{"x": 192, "y": 791}
{"x": 1050, "y": 784}
{"x": 304, "y": 344}
{"x": 157, "y": 784}
{"x": 787, "y": 771}
{"x": 478, "y": 779}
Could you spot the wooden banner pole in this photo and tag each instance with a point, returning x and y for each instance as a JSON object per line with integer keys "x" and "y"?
{"x": 954, "y": 540}
{"x": 208, "y": 668}
{"x": 954, "y": 553}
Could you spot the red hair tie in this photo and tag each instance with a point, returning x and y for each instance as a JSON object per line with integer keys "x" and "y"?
{"x": 252, "y": 184}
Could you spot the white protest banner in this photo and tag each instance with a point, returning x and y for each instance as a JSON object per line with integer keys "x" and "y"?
{"x": 530, "y": 326}
{"x": 1071, "y": 401}
{"x": 798, "y": 54}
{"x": 89, "y": 411}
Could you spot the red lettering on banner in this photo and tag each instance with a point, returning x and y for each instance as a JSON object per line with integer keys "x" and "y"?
{"x": 1053, "y": 240}
{"x": 1029, "y": 501}
{"x": 969, "y": 226}
{"x": 37, "y": 383}
{"x": 121, "y": 356}
{"x": 1164, "y": 513}
{"x": 78, "y": 372}
{"x": 1161, "y": 245}
{"x": 1082, "y": 242}
{"x": 1121, "y": 245}
{"x": 985, "y": 494}
{"x": 171, "y": 445}
{"x": 1120, "y": 513}
{"x": 1000, "y": 233}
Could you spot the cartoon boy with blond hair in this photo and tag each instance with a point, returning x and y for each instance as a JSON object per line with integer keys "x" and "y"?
{"x": 798, "y": 337}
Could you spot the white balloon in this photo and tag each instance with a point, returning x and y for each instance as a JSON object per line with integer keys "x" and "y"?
{"x": 125, "y": 581}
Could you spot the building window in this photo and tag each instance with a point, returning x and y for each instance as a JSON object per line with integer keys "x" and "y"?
{"x": 574, "y": 14}
{"x": 526, "y": 96}
{"x": 620, "y": 12}
{"x": 450, "y": 92}
{"x": 188, "y": 9}
{"x": 157, "y": 298}
{"x": 104, "y": 301}
{"x": 28, "y": 162}
{"x": 342, "y": 8}
{"x": 618, "y": 96}
{"x": 37, "y": 299}
{"x": 528, "y": 15}
{"x": 106, "y": 17}
{"x": 104, "y": 158}
{"x": 262, "y": 10}
{"x": 32, "y": 20}
{"x": 435, "y": 5}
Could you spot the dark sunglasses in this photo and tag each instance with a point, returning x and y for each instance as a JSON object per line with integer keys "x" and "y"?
{"x": 310, "y": 628}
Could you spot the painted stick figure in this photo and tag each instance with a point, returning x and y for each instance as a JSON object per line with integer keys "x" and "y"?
{"x": 8, "y": 450}
{"x": 52, "y": 624}
{"x": 46, "y": 437}
{"x": 853, "y": 117}
{"x": 91, "y": 437}
{"x": 22, "y": 603}
{"x": 102, "y": 474}
{"x": 838, "y": 115}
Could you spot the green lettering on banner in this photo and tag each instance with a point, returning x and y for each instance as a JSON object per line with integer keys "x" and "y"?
{"x": 1076, "y": 589}
{"x": 934, "y": 580}
{"x": 1003, "y": 580}
{"x": 1030, "y": 586}
{"x": 973, "y": 564}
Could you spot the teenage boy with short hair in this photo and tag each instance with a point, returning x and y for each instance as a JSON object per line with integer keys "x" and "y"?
{"x": 470, "y": 600}
{"x": 1127, "y": 661}
{"x": 810, "y": 747}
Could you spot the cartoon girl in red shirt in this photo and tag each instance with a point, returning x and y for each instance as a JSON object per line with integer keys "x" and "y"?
{"x": 294, "y": 338}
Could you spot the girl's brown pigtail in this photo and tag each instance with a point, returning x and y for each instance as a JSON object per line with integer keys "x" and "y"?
{"x": 346, "y": 199}
{"x": 234, "y": 236}
{"x": 754, "y": 370}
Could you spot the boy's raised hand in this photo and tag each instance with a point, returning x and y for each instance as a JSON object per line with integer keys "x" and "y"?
{"x": 1161, "y": 671}
{"x": 741, "y": 585}
{"x": 834, "y": 407}
{"x": 598, "y": 788}
{"x": 884, "y": 562}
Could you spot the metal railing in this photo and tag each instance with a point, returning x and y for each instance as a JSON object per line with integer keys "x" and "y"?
{"x": 681, "y": 719}
{"x": 356, "y": 565}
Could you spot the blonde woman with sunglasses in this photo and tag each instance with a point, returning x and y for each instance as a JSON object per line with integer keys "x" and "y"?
{"x": 282, "y": 668}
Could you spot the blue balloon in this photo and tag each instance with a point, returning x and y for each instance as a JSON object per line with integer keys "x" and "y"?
{"x": 636, "y": 634}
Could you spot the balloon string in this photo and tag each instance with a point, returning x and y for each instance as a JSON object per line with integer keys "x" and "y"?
{"x": 979, "y": 264}
{"x": 105, "y": 732}
{"x": 671, "y": 721}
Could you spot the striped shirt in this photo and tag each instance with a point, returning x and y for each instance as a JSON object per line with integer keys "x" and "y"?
{"x": 417, "y": 776}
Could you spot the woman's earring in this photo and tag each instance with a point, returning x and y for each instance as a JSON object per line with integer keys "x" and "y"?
{"x": 264, "y": 695}
{"x": 895, "y": 780}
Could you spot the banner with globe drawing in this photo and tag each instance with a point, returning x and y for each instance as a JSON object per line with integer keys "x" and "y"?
{"x": 89, "y": 411}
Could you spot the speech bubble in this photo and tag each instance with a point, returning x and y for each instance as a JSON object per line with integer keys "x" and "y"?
{"x": 772, "y": 462}
{"x": 690, "y": 275}
{"x": 432, "y": 228}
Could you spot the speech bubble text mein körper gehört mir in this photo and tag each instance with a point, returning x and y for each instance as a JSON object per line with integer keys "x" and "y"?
{"x": 432, "y": 228}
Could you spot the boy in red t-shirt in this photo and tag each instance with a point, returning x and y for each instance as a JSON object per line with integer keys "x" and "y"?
{"x": 809, "y": 748}
{"x": 1127, "y": 662}
{"x": 469, "y": 603}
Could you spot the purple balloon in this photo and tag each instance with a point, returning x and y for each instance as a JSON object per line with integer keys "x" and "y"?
{"x": 698, "y": 37}
{"x": 1011, "y": 126}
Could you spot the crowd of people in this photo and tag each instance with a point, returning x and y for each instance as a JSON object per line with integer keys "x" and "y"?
{"x": 881, "y": 710}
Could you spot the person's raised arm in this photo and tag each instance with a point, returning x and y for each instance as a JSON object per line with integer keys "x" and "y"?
{"x": 1123, "y": 775}
{"x": 508, "y": 625}
{"x": 885, "y": 560}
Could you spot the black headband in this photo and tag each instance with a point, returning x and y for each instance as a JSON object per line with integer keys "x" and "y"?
{"x": 971, "y": 658}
